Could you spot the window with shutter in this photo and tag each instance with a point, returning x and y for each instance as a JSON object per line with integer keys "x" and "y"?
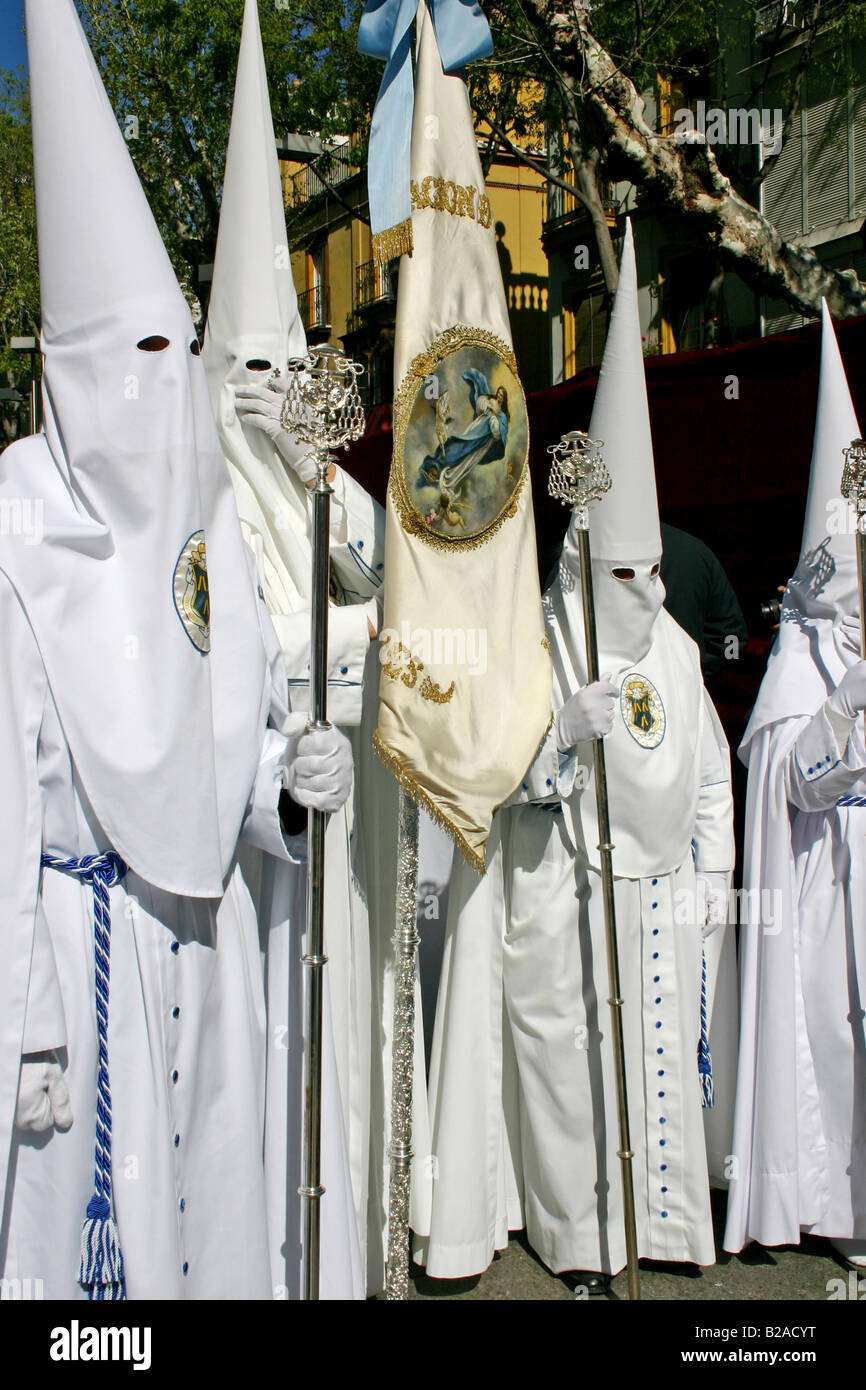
{"x": 779, "y": 317}
{"x": 826, "y": 127}
{"x": 782, "y": 190}
{"x": 858, "y": 138}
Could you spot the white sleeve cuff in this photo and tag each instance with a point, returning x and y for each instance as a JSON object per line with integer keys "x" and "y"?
{"x": 348, "y": 644}
{"x": 549, "y": 778}
{"x": 261, "y": 827}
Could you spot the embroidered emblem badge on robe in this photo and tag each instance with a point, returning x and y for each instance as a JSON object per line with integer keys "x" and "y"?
{"x": 642, "y": 711}
{"x": 460, "y": 439}
{"x": 191, "y": 595}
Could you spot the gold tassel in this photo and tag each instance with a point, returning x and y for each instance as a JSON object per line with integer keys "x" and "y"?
{"x": 396, "y": 241}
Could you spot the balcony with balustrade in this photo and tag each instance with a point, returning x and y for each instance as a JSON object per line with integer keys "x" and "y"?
{"x": 374, "y": 296}
{"x": 314, "y": 307}
{"x": 561, "y": 208}
{"x": 328, "y": 171}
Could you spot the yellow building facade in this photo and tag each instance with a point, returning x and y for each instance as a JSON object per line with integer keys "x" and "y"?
{"x": 345, "y": 297}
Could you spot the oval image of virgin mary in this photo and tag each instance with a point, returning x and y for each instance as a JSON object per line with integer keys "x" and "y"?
{"x": 466, "y": 442}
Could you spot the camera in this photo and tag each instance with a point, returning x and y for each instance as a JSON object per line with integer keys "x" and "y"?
{"x": 771, "y": 611}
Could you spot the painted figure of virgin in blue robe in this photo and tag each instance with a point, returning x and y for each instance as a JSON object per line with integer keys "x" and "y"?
{"x": 482, "y": 442}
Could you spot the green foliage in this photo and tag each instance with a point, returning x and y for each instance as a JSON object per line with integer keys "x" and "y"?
{"x": 646, "y": 40}
{"x": 169, "y": 68}
{"x": 19, "y": 270}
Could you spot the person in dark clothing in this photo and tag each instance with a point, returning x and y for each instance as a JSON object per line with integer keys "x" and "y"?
{"x": 700, "y": 597}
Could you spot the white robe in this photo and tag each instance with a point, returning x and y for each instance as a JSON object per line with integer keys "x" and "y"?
{"x": 186, "y": 1029}
{"x": 800, "y": 1132}
{"x": 527, "y": 1134}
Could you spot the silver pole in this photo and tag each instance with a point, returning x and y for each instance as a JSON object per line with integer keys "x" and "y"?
{"x": 406, "y": 941}
{"x": 853, "y": 489}
{"x": 314, "y": 958}
{"x": 322, "y": 408}
{"x": 579, "y": 478}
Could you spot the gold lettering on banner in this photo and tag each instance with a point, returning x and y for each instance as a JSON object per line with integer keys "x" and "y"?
{"x": 443, "y": 195}
{"x": 449, "y": 196}
{"x": 431, "y": 691}
{"x": 465, "y": 202}
{"x": 403, "y": 666}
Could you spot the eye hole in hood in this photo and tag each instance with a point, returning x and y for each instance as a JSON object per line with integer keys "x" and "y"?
{"x": 258, "y": 364}
{"x": 623, "y": 572}
{"x": 195, "y": 347}
{"x": 155, "y": 343}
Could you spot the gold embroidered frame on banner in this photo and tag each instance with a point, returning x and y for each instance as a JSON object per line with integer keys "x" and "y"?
{"x": 420, "y": 371}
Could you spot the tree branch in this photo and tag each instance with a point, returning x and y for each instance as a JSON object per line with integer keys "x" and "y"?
{"x": 687, "y": 180}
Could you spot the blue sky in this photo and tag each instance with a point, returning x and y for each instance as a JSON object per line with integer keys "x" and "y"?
{"x": 12, "y": 50}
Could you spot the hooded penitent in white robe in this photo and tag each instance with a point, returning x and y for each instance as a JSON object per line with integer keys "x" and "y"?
{"x": 138, "y": 679}
{"x": 799, "y": 1146}
{"x": 253, "y": 319}
{"x": 527, "y": 1136}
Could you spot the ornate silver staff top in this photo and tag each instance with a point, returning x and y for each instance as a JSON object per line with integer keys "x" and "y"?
{"x": 578, "y": 476}
{"x": 322, "y": 405}
{"x": 854, "y": 480}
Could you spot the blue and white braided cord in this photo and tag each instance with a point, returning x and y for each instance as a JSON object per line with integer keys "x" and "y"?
{"x": 705, "y": 1061}
{"x": 101, "y": 1273}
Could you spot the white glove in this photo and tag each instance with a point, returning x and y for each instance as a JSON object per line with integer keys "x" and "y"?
{"x": 588, "y": 714}
{"x": 318, "y": 766}
{"x": 261, "y": 406}
{"x": 43, "y": 1096}
{"x": 711, "y": 890}
{"x": 849, "y": 697}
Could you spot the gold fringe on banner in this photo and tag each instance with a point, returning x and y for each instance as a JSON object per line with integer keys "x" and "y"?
{"x": 396, "y": 241}
{"x": 420, "y": 796}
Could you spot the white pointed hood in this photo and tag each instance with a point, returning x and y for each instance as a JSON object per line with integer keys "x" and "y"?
{"x": 825, "y": 580}
{"x": 253, "y": 317}
{"x": 624, "y": 526}
{"x": 819, "y": 634}
{"x": 252, "y": 295}
{"x": 139, "y": 596}
{"x": 658, "y": 728}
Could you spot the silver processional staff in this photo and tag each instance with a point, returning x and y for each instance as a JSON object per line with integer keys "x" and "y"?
{"x": 854, "y": 491}
{"x": 578, "y": 478}
{"x": 322, "y": 408}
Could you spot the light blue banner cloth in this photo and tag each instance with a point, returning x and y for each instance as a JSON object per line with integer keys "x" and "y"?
{"x": 385, "y": 32}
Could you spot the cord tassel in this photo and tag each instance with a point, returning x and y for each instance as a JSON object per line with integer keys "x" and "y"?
{"x": 101, "y": 1273}
{"x": 705, "y": 1061}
